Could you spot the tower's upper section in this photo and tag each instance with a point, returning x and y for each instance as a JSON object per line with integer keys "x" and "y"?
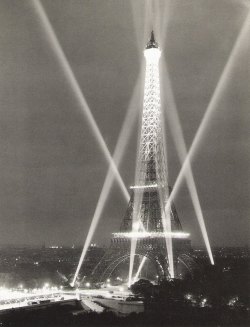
{"x": 152, "y": 52}
{"x": 151, "y": 131}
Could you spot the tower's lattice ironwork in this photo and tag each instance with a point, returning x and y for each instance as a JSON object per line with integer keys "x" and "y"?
{"x": 146, "y": 213}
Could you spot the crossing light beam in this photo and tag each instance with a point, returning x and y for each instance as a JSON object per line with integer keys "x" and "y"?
{"x": 177, "y": 133}
{"x": 118, "y": 155}
{"x": 75, "y": 87}
{"x": 241, "y": 41}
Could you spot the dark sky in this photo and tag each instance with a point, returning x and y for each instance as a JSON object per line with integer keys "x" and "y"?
{"x": 51, "y": 167}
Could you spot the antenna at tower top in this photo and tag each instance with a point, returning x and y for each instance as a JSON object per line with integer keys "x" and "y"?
{"x": 152, "y": 43}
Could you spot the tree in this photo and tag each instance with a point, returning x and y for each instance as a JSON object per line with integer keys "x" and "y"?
{"x": 142, "y": 287}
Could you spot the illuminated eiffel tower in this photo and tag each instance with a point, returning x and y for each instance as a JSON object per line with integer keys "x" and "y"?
{"x": 149, "y": 221}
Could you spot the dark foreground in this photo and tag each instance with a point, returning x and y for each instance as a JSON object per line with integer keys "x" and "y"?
{"x": 173, "y": 315}
{"x": 213, "y": 296}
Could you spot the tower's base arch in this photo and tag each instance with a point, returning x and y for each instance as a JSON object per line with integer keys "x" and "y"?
{"x": 154, "y": 250}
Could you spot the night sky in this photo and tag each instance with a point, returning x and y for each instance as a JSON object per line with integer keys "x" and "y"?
{"x": 51, "y": 167}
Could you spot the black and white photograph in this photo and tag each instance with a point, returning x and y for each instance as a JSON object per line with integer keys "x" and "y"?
{"x": 124, "y": 163}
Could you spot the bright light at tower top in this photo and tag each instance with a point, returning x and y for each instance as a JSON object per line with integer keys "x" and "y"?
{"x": 152, "y": 52}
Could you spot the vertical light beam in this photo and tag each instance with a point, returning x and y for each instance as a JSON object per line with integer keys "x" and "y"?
{"x": 69, "y": 74}
{"x": 168, "y": 12}
{"x": 163, "y": 17}
{"x": 137, "y": 9}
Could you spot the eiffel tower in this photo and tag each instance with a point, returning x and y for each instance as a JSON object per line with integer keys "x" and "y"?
{"x": 149, "y": 218}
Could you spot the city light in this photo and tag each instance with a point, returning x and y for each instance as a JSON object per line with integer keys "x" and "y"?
{"x": 203, "y": 302}
{"x": 75, "y": 87}
{"x": 188, "y": 296}
{"x": 16, "y": 298}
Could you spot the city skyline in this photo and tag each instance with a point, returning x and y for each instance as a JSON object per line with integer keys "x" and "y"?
{"x": 52, "y": 169}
